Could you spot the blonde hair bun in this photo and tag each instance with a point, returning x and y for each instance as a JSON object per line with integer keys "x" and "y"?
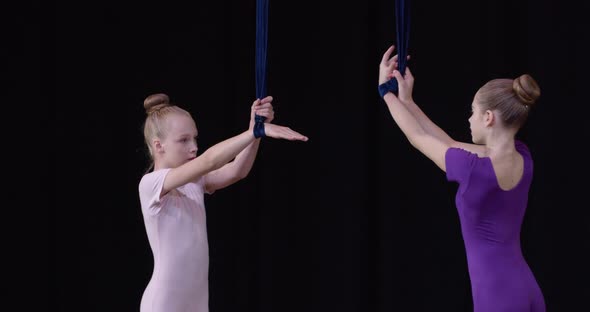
{"x": 155, "y": 102}
{"x": 526, "y": 88}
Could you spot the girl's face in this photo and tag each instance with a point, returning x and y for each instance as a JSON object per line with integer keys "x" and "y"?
{"x": 477, "y": 123}
{"x": 180, "y": 144}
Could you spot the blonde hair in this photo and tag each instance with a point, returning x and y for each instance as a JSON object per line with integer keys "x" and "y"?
{"x": 513, "y": 98}
{"x": 158, "y": 108}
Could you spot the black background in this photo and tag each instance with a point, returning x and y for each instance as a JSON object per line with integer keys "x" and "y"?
{"x": 353, "y": 220}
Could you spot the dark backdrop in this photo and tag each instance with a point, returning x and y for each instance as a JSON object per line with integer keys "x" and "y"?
{"x": 353, "y": 220}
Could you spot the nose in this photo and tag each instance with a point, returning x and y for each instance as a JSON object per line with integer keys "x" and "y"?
{"x": 193, "y": 147}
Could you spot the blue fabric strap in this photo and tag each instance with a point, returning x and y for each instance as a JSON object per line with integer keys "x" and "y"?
{"x": 384, "y": 87}
{"x": 261, "y": 44}
{"x": 259, "y": 129}
{"x": 402, "y": 22}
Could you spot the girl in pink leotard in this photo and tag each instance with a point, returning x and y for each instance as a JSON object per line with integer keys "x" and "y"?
{"x": 172, "y": 203}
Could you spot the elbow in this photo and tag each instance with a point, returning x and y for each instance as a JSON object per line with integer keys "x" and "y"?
{"x": 415, "y": 137}
{"x": 236, "y": 176}
{"x": 238, "y": 172}
{"x": 412, "y": 141}
{"x": 242, "y": 174}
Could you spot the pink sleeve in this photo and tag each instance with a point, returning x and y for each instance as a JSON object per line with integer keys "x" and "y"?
{"x": 150, "y": 189}
{"x": 203, "y": 182}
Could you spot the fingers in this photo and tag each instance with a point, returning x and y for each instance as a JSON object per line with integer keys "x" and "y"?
{"x": 387, "y": 53}
{"x": 266, "y": 100}
{"x": 394, "y": 60}
{"x": 294, "y": 135}
{"x": 263, "y": 109}
{"x": 398, "y": 75}
{"x": 266, "y": 110}
{"x": 390, "y": 68}
{"x": 409, "y": 73}
{"x": 281, "y": 132}
{"x": 263, "y": 106}
{"x": 269, "y": 114}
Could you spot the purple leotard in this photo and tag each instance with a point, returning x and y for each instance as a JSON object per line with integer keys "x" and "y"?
{"x": 491, "y": 219}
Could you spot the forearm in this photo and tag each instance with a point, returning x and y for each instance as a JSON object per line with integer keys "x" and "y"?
{"x": 426, "y": 123}
{"x": 223, "y": 152}
{"x": 245, "y": 160}
{"x": 404, "y": 118}
{"x": 214, "y": 158}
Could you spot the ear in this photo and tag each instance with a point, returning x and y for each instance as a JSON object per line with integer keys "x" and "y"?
{"x": 489, "y": 118}
{"x": 157, "y": 144}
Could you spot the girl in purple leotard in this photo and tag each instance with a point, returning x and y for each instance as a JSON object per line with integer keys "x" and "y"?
{"x": 494, "y": 176}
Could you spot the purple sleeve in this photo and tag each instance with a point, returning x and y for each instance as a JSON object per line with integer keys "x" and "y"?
{"x": 522, "y": 148}
{"x": 458, "y": 164}
{"x": 524, "y": 151}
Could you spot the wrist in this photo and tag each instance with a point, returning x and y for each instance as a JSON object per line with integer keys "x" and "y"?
{"x": 258, "y": 130}
{"x": 388, "y": 86}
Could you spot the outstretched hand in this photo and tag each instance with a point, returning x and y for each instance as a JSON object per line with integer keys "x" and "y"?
{"x": 281, "y": 132}
{"x": 263, "y": 107}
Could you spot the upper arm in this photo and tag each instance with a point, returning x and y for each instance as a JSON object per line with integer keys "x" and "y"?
{"x": 151, "y": 190}
{"x": 190, "y": 171}
{"x": 195, "y": 169}
{"x": 432, "y": 147}
{"x": 221, "y": 178}
{"x": 459, "y": 163}
{"x": 436, "y": 149}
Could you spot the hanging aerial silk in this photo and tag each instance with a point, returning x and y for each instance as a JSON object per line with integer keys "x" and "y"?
{"x": 402, "y": 22}
{"x": 261, "y": 47}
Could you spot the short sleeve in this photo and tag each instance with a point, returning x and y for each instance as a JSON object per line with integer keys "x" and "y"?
{"x": 203, "y": 182}
{"x": 150, "y": 188}
{"x": 458, "y": 164}
{"x": 522, "y": 148}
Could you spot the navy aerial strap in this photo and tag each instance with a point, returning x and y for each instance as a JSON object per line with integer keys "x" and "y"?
{"x": 261, "y": 44}
{"x": 402, "y": 23}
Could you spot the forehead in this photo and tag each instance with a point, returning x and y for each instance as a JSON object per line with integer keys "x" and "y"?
{"x": 181, "y": 124}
